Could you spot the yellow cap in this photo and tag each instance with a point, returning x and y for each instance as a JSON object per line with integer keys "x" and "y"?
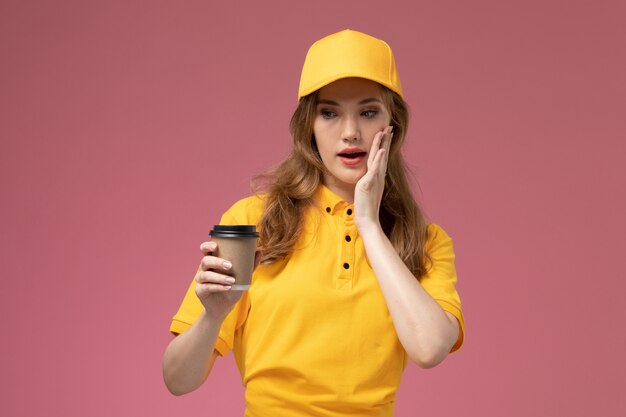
{"x": 348, "y": 54}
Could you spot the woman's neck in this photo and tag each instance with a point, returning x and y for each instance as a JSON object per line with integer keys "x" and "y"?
{"x": 342, "y": 189}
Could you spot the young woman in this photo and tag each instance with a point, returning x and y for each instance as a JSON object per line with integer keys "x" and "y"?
{"x": 352, "y": 283}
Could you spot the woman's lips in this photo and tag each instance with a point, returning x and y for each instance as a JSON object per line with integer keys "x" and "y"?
{"x": 353, "y": 158}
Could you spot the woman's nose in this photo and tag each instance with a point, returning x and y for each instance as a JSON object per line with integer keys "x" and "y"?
{"x": 350, "y": 130}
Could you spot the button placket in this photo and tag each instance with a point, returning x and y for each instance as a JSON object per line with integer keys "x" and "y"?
{"x": 347, "y": 250}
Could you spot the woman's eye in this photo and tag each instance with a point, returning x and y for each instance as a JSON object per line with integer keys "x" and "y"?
{"x": 327, "y": 114}
{"x": 368, "y": 114}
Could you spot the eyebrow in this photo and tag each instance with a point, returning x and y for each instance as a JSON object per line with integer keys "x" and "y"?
{"x": 364, "y": 101}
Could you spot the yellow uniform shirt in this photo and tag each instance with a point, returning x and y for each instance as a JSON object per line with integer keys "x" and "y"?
{"x": 313, "y": 335}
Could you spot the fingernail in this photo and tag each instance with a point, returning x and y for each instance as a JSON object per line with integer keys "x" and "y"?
{"x": 230, "y": 280}
{"x": 227, "y": 265}
{"x": 391, "y": 129}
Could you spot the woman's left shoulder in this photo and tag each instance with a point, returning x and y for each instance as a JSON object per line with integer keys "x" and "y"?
{"x": 437, "y": 237}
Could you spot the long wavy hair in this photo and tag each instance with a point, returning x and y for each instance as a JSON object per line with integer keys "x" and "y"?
{"x": 290, "y": 187}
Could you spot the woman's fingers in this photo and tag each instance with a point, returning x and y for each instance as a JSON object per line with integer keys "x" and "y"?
{"x": 211, "y": 277}
{"x": 208, "y": 247}
{"x": 374, "y": 148}
{"x": 213, "y": 262}
{"x": 382, "y": 142}
{"x": 205, "y": 290}
{"x": 208, "y": 282}
{"x": 213, "y": 286}
{"x": 387, "y": 147}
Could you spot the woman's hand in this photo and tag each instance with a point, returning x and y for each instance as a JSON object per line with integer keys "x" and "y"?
{"x": 369, "y": 189}
{"x": 213, "y": 285}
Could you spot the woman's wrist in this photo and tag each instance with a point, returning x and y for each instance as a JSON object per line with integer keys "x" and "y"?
{"x": 369, "y": 229}
{"x": 212, "y": 316}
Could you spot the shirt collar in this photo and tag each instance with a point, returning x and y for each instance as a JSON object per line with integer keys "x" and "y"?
{"x": 328, "y": 201}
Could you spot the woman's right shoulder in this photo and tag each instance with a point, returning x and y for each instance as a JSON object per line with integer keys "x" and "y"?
{"x": 248, "y": 210}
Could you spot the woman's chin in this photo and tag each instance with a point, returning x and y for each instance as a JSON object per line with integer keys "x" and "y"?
{"x": 344, "y": 180}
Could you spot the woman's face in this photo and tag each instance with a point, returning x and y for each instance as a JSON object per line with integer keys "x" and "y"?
{"x": 350, "y": 112}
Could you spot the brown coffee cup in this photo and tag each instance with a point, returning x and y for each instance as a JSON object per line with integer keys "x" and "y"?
{"x": 237, "y": 244}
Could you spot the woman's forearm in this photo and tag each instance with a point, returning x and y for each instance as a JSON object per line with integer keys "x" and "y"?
{"x": 189, "y": 357}
{"x": 426, "y": 331}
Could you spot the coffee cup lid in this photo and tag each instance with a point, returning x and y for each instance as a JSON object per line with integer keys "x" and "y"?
{"x": 234, "y": 231}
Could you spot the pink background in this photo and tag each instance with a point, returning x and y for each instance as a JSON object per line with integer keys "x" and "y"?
{"x": 127, "y": 127}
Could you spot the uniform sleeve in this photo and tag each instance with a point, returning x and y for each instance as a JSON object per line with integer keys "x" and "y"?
{"x": 243, "y": 212}
{"x": 440, "y": 278}
{"x": 191, "y": 308}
